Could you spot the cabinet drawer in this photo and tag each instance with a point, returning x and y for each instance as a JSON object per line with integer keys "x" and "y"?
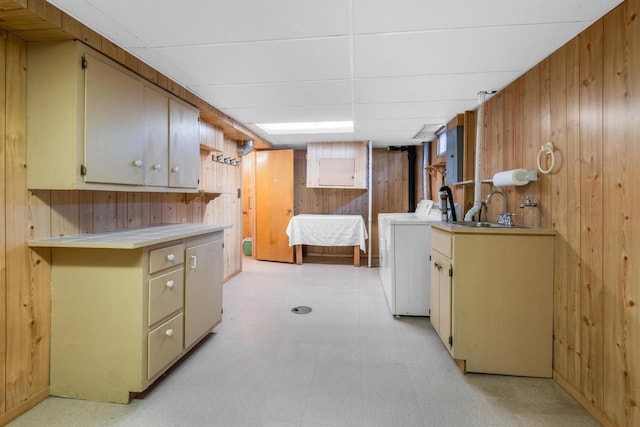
{"x": 165, "y": 344}
{"x": 159, "y": 259}
{"x": 166, "y": 294}
{"x": 441, "y": 242}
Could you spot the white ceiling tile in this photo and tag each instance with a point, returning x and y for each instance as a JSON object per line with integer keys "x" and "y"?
{"x": 406, "y": 125}
{"x": 322, "y": 92}
{"x": 275, "y": 61}
{"x": 292, "y": 114}
{"x": 163, "y": 65}
{"x": 224, "y": 21}
{"x": 411, "y": 62}
{"x": 412, "y": 110}
{"x": 441, "y": 52}
{"x": 435, "y": 87}
{"x": 101, "y": 22}
{"x": 380, "y": 16}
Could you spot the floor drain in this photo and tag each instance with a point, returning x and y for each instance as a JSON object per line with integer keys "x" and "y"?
{"x": 301, "y": 309}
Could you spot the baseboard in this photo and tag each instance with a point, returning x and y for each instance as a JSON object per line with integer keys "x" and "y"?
{"x": 24, "y": 407}
{"x": 586, "y": 403}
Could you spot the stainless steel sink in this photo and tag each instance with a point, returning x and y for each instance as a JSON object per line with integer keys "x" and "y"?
{"x": 483, "y": 224}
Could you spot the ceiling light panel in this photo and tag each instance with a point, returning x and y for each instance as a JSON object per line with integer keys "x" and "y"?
{"x": 306, "y": 128}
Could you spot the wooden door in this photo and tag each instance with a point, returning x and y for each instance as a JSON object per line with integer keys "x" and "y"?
{"x": 249, "y": 195}
{"x": 274, "y": 205}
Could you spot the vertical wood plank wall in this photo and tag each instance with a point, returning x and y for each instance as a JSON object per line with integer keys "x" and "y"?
{"x": 390, "y": 194}
{"x": 585, "y": 98}
{"x": 3, "y": 257}
{"x": 25, "y": 273}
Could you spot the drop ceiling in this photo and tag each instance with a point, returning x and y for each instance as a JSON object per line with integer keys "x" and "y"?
{"x": 390, "y": 66}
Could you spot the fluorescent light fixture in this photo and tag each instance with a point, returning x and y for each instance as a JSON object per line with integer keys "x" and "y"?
{"x": 307, "y": 127}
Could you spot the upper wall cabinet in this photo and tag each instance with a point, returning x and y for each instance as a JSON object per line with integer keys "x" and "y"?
{"x": 184, "y": 146}
{"x": 95, "y": 125}
{"x": 337, "y": 165}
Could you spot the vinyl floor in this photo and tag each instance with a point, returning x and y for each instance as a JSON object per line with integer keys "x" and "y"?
{"x": 347, "y": 363}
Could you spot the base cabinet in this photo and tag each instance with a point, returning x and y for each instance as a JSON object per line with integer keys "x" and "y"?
{"x": 121, "y": 317}
{"x": 492, "y": 298}
{"x": 203, "y": 300}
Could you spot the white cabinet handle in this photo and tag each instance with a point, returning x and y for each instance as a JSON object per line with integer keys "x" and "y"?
{"x": 170, "y": 284}
{"x": 175, "y": 169}
{"x": 171, "y": 257}
{"x": 194, "y": 261}
{"x": 169, "y": 332}
{"x": 156, "y": 167}
{"x": 137, "y": 163}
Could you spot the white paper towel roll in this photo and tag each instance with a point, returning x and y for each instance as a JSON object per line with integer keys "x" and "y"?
{"x": 507, "y": 178}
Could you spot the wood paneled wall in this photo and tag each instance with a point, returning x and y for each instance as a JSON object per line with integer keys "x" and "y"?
{"x": 25, "y": 215}
{"x": 390, "y": 194}
{"x": 3, "y": 224}
{"x": 585, "y": 98}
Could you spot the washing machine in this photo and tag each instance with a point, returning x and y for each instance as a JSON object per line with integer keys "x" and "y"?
{"x": 404, "y": 249}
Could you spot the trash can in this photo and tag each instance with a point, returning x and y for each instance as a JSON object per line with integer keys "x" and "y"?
{"x": 246, "y": 246}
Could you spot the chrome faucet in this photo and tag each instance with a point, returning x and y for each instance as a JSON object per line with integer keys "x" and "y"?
{"x": 529, "y": 201}
{"x": 501, "y": 218}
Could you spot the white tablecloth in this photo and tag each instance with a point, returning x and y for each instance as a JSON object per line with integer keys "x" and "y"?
{"x": 327, "y": 230}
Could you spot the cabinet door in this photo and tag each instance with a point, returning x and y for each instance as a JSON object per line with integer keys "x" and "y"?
{"x": 203, "y": 290}
{"x": 444, "y": 293}
{"x": 441, "y": 297}
{"x": 184, "y": 146}
{"x": 435, "y": 292}
{"x": 156, "y": 138}
{"x": 114, "y": 125}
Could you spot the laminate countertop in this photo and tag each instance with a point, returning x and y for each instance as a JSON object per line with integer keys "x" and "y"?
{"x": 452, "y": 227}
{"x": 131, "y": 238}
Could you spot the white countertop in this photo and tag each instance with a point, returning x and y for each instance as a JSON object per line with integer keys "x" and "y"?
{"x": 131, "y": 238}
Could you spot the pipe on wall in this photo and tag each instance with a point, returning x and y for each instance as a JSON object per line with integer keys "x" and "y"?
{"x": 426, "y": 161}
{"x": 370, "y": 219}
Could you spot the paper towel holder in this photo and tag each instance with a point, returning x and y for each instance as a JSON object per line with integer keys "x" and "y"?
{"x": 514, "y": 177}
{"x": 531, "y": 175}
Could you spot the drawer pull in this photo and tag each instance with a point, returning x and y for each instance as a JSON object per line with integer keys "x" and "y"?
{"x": 137, "y": 163}
{"x": 175, "y": 169}
{"x": 156, "y": 167}
{"x": 171, "y": 257}
{"x": 169, "y": 332}
{"x": 194, "y": 262}
{"x": 170, "y": 284}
